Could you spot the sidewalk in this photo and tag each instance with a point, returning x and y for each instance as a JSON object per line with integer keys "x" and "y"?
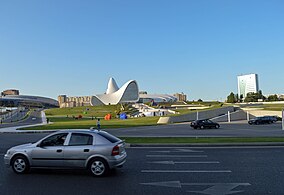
{"x": 15, "y": 129}
{"x": 173, "y": 145}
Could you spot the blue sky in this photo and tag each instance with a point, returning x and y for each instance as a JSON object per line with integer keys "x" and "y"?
{"x": 198, "y": 47}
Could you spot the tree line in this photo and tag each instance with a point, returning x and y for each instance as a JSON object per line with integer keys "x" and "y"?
{"x": 252, "y": 97}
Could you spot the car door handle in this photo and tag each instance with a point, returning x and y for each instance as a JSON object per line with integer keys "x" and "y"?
{"x": 59, "y": 150}
{"x": 86, "y": 150}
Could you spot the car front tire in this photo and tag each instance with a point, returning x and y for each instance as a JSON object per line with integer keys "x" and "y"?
{"x": 217, "y": 126}
{"x": 20, "y": 164}
{"x": 98, "y": 167}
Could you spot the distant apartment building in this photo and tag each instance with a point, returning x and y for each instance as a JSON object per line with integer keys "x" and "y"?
{"x": 67, "y": 102}
{"x": 247, "y": 84}
{"x": 180, "y": 97}
{"x": 10, "y": 92}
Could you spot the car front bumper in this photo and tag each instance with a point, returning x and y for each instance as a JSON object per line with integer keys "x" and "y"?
{"x": 7, "y": 160}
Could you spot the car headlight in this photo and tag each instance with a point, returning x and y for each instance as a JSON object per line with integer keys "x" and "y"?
{"x": 9, "y": 152}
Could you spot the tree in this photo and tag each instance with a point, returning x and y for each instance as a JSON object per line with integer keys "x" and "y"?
{"x": 272, "y": 98}
{"x": 254, "y": 97}
{"x": 231, "y": 98}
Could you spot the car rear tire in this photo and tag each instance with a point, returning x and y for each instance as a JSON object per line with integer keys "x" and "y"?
{"x": 20, "y": 164}
{"x": 98, "y": 167}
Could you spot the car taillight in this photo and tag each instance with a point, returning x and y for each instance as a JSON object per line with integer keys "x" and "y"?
{"x": 115, "y": 150}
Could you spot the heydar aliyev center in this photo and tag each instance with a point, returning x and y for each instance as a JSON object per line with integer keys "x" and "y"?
{"x": 127, "y": 93}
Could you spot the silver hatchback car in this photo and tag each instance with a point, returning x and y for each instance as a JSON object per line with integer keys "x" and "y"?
{"x": 98, "y": 151}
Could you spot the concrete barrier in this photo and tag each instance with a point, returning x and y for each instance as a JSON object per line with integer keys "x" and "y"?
{"x": 246, "y": 115}
{"x": 256, "y": 113}
{"x": 234, "y": 116}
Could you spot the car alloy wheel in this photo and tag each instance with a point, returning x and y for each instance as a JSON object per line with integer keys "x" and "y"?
{"x": 98, "y": 167}
{"x": 201, "y": 127}
{"x": 20, "y": 165}
{"x": 217, "y": 126}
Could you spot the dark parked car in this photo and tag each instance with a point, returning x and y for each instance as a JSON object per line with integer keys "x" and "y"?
{"x": 262, "y": 120}
{"x": 202, "y": 124}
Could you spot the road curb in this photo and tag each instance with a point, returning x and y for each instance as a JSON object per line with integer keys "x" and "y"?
{"x": 207, "y": 144}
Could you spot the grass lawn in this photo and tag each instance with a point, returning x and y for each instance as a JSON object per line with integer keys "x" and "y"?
{"x": 86, "y": 123}
{"x": 85, "y": 111}
{"x": 273, "y": 107}
{"x": 270, "y": 107}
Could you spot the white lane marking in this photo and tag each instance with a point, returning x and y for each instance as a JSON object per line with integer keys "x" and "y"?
{"x": 188, "y": 150}
{"x": 207, "y": 147}
{"x": 184, "y": 162}
{"x": 177, "y": 151}
{"x": 176, "y": 156}
{"x": 213, "y": 189}
{"x": 186, "y": 171}
{"x": 178, "y": 184}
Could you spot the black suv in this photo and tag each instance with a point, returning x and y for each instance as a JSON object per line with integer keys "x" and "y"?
{"x": 202, "y": 124}
{"x": 262, "y": 120}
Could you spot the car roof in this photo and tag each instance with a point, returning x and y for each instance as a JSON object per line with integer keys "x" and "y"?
{"x": 80, "y": 131}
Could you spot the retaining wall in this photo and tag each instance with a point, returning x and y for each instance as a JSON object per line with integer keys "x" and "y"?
{"x": 206, "y": 114}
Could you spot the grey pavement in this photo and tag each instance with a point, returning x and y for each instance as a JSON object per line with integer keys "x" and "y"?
{"x": 167, "y": 171}
{"x": 234, "y": 129}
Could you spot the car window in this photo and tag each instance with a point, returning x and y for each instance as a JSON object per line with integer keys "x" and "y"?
{"x": 55, "y": 140}
{"x": 109, "y": 137}
{"x": 80, "y": 139}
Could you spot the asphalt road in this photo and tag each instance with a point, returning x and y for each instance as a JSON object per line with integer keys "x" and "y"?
{"x": 214, "y": 171}
{"x": 234, "y": 129}
{"x": 28, "y": 121}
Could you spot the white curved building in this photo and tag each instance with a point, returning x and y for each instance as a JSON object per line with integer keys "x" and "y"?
{"x": 127, "y": 93}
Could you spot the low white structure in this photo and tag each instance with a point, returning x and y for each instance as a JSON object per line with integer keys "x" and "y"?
{"x": 144, "y": 98}
{"x": 127, "y": 93}
{"x": 145, "y": 110}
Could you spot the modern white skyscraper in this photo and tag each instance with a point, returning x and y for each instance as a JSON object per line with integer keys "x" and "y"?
{"x": 246, "y": 84}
